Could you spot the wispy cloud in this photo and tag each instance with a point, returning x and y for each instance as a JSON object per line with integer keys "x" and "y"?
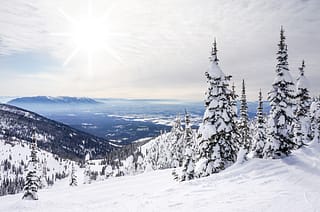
{"x": 164, "y": 45}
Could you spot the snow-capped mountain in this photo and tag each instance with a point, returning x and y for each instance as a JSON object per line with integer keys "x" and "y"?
{"x": 16, "y": 124}
{"x": 52, "y": 100}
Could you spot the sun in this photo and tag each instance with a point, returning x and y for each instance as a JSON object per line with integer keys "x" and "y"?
{"x": 89, "y": 34}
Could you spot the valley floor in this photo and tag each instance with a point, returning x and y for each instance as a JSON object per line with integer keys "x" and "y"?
{"x": 291, "y": 184}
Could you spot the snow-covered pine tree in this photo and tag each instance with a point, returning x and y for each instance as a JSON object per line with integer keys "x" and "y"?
{"x": 175, "y": 174}
{"x": 87, "y": 171}
{"x": 152, "y": 155}
{"x": 245, "y": 139}
{"x": 108, "y": 171}
{"x": 213, "y": 60}
{"x": 73, "y": 176}
{"x": 43, "y": 178}
{"x": 302, "y": 125}
{"x": 166, "y": 151}
{"x": 281, "y": 97}
{"x": 234, "y": 100}
{"x": 129, "y": 165}
{"x": 315, "y": 120}
{"x": 32, "y": 181}
{"x": 217, "y": 148}
{"x": 188, "y": 161}
{"x": 259, "y": 138}
{"x": 176, "y": 147}
{"x": 244, "y": 106}
{"x": 139, "y": 163}
{"x": 164, "y": 156}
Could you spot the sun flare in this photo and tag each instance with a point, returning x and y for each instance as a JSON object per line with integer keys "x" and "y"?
{"x": 88, "y": 34}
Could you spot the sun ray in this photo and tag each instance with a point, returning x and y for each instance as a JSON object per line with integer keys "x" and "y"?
{"x": 68, "y": 17}
{"x": 90, "y": 34}
{"x": 107, "y": 12}
{"x": 112, "y": 53}
{"x": 70, "y": 57}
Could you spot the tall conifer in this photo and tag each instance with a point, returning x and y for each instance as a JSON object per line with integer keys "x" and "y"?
{"x": 281, "y": 97}
{"x": 217, "y": 148}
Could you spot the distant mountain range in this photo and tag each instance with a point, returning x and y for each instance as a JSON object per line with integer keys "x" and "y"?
{"x": 36, "y": 103}
{"x": 120, "y": 121}
{"x": 17, "y": 124}
{"x": 52, "y": 100}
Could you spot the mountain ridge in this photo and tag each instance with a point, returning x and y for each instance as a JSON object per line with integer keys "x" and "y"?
{"x": 52, "y": 100}
{"x": 52, "y": 136}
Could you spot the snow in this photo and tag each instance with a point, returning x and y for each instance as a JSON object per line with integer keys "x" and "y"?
{"x": 52, "y": 100}
{"x": 142, "y": 140}
{"x": 215, "y": 71}
{"x": 290, "y": 184}
{"x": 207, "y": 131}
{"x": 21, "y": 151}
{"x": 302, "y": 83}
{"x": 286, "y": 77}
{"x": 282, "y": 120}
{"x": 154, "y": 118}
{"x": 18, "y": 111}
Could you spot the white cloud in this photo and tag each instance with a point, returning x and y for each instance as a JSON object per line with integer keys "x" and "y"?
{"x": 164, "y": 44}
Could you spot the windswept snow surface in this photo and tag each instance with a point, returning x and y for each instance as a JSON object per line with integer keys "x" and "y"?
{"x": 290, "y": 184}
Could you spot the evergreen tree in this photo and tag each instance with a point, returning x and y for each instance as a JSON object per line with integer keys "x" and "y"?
{"x": 164, "y": 155}
{"x": 245, "y": 140}
{"x": 166, "y": 151}
{"x": 87, "y": 171}
{"x": 176, "y": 144}
{"x": 213, "y": 60}
{"x": 32, "y": 182}
{"x": 217, "y": 144}
{"x": 234, "y": 100}
{"x": 175, "y": 174}
{"x": 43, "y": 178}
{"x": 315, "y": 119}
{"x": 244, "y": 106}
{"x": 259, "y": 139}
{"x": 152, "y": 155}
{"x": 302, "y": 125}
{"x": 189, "y": 162}
{"x": 280, "y": 123}
{"x": 129, "y": 165}
{"x": 73, "y": 179}
{"x": 139, "y": 163}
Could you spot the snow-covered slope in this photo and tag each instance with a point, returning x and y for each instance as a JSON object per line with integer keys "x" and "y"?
{"x": 18, "y": 124}
{"x": 20, "y": 151}
{"x": 290, "y": 184}
{"x": 14, "y": 157}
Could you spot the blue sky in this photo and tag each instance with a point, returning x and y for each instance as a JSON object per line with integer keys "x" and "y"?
{"x": 29, "y": 62}
{"x": 154, "y": 49}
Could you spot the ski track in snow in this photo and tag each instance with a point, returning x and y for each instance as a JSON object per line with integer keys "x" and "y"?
{"x": 291, "y": 184}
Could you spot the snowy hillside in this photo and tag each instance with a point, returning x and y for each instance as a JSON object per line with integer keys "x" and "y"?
{"x": 257, "y": 185}
{"x": 17, "y": 124}
{"x": 14, "y": 157}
